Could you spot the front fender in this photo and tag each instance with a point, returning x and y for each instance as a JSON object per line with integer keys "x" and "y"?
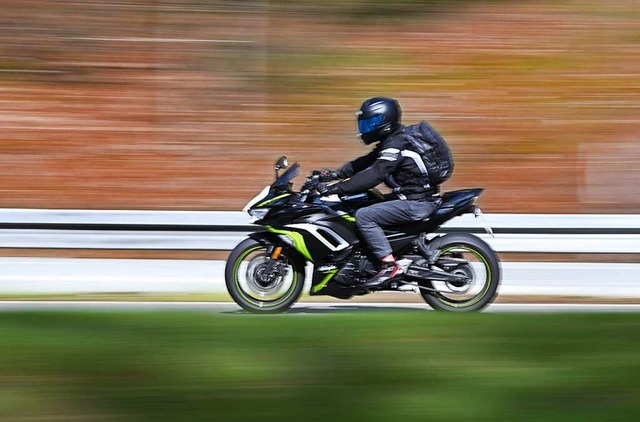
{"x": 266, "y": 237}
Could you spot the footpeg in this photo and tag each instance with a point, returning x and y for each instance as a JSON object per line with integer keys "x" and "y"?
{"x": 404, "y": 264}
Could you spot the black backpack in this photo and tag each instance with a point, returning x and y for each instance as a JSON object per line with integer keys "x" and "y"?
{"x": 433, "y": 149}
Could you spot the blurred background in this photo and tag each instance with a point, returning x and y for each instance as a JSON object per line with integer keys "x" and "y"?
{"x": 185, "y": 104}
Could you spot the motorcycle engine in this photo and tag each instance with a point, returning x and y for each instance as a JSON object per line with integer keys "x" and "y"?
{"x": 354, "y": 272}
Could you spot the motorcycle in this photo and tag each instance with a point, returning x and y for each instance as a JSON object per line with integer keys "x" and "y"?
{"x": 265, "y": 273}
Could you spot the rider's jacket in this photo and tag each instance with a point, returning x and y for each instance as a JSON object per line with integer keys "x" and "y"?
{"x": 392, "y": 161}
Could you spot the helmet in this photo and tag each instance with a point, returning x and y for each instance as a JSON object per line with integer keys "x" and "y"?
{"x": 377, "y": 118}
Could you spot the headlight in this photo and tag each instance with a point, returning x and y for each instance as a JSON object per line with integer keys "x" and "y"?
{"x": 258, "y": 213}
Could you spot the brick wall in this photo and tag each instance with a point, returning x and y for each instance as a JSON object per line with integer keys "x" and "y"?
{"x": 185, "y": 104}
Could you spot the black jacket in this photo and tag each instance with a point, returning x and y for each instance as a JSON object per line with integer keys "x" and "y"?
{"x": 392, "y": 161}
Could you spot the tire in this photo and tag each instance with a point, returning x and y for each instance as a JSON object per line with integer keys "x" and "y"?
{"x": 487, "y": 258}
{"x": 250, "y": 299}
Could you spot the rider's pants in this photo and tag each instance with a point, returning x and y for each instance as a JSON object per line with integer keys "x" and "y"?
{"x": 370, "y": 220}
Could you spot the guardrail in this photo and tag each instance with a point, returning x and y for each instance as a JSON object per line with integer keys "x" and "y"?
{"x": 217, "y": 230}
{"x": 222, "y": 230}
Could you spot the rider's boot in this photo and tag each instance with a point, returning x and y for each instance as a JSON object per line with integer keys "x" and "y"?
{"x": 388, "y": 271}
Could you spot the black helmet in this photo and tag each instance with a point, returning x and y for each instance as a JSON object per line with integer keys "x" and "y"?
{"x": 377, "y": 118}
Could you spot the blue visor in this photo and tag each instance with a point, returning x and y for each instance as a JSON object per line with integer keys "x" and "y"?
{"x": 367, "y": 125}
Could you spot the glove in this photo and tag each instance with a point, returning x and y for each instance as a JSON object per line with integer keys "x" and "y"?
{"x": 327, "y": 175}
{"x": 325, "y": 190}
{"x": 311, "y": 183}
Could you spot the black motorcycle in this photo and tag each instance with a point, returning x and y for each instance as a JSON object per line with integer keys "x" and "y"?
{"x": 266, "y": 272}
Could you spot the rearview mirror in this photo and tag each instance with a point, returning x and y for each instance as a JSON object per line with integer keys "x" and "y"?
{"x": 282, "y": 163}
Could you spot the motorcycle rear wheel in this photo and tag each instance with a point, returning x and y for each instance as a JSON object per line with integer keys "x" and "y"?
{"x": 482, "y": 269}
{"x": 248, "y": 287}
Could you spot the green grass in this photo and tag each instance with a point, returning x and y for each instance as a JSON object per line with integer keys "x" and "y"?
{"x": 380, "y": 366}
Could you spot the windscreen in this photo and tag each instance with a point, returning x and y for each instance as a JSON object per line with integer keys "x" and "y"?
{"x": 287, "y": 176}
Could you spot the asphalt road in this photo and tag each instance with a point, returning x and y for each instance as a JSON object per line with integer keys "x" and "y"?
{"x": 36, "y": 275}
{"x": 300, "y": 308}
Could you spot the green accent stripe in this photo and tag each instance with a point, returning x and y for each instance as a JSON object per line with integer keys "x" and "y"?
{"x": 236, "y": 266}
{"x": 324, "y": 281}
{"x": 268, "y": 201}
{"x": 298, "y": 241}
{"x": 349, "y": 218}
{"x": 480, "y": 295}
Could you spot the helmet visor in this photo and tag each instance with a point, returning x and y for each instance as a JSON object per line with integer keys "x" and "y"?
{"x": 369, "y": 124}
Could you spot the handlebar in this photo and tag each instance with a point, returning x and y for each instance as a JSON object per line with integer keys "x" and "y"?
{"x": 310, "y": 185}
{"x": 311, "y": 182}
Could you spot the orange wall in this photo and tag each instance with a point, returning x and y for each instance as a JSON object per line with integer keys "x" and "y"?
{"x": 186, "y": 104}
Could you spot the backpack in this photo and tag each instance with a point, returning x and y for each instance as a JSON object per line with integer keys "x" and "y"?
{"x": 433, "y": 149}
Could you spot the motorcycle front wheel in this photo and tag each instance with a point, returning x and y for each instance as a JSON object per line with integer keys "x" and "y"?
{"x": 478, "y": 265}
{"x": 256, "y": 288}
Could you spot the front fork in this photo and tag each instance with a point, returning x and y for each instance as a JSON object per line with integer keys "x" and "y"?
{"x": 273, "y": 263}
{"x": 274, "y": 253}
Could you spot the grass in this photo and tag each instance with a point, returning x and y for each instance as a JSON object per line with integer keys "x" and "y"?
{"x": 341, "y": 366}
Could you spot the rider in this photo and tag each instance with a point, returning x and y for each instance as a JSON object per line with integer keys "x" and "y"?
{"x": 394, "y": 162}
